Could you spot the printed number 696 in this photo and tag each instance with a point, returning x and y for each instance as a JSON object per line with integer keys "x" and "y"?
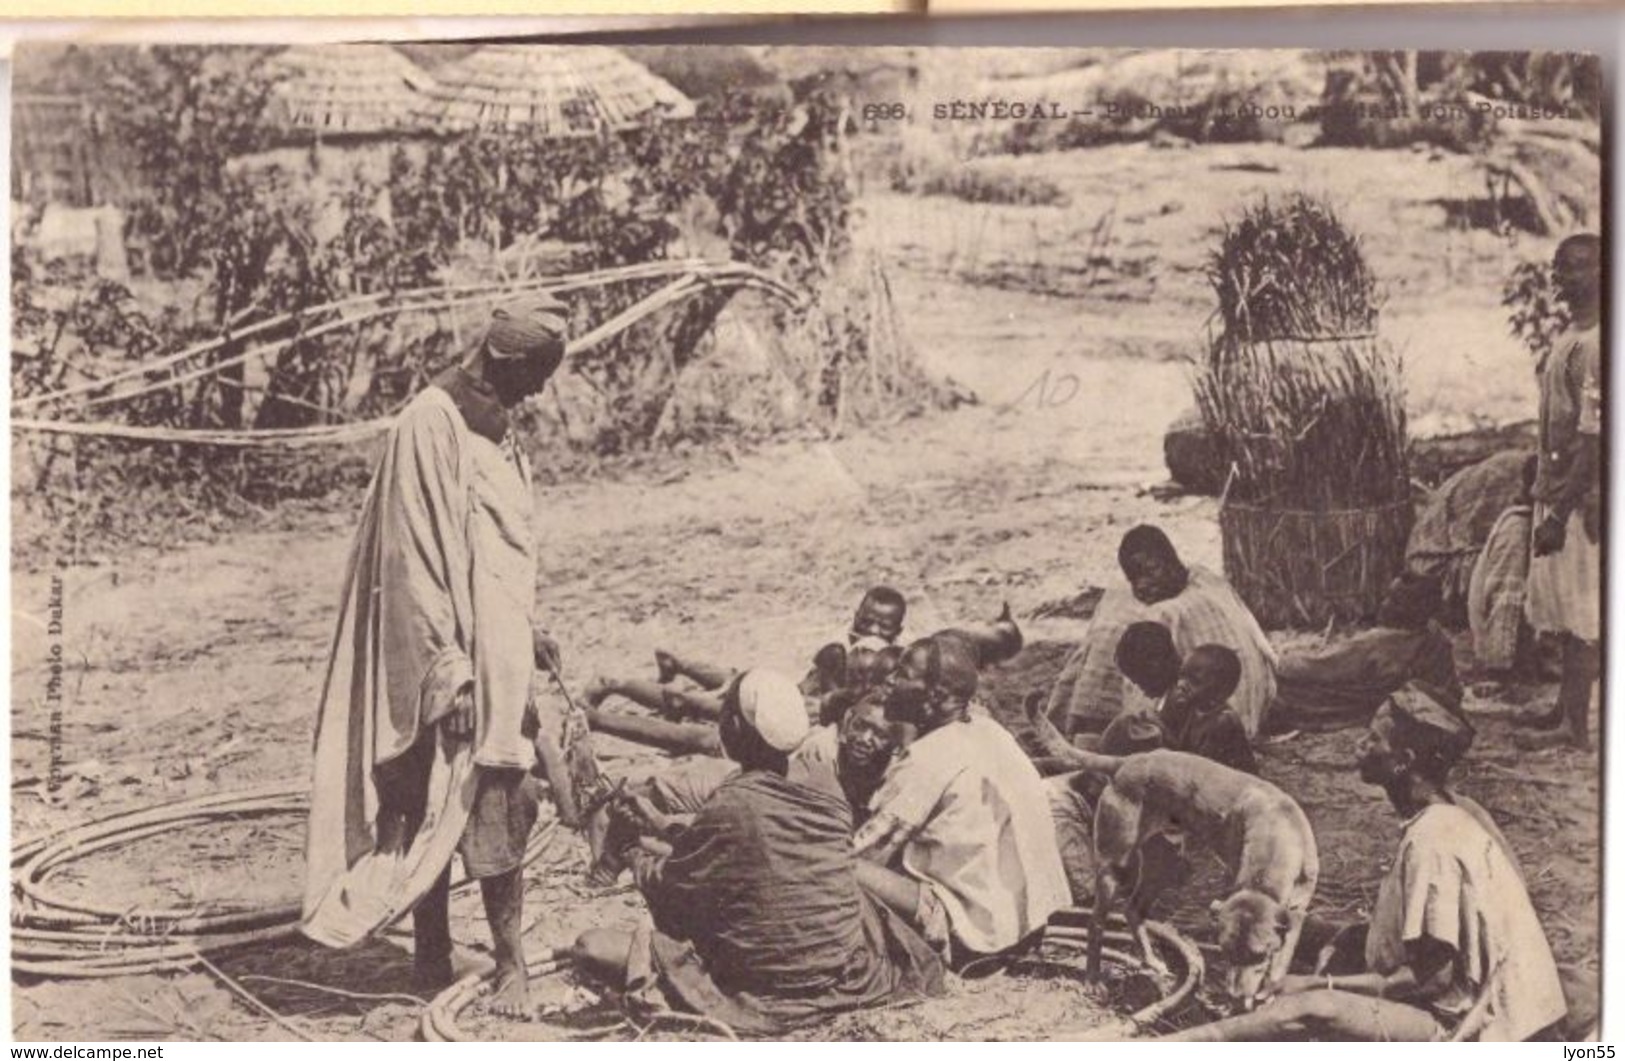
{"x": 884, "y": 112}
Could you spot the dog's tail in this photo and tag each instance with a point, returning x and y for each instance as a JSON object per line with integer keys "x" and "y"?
{"x": 1095, "y": 763}
{"x": 1054, "y": 745}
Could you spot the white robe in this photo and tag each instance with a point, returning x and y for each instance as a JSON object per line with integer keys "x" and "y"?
{"x": 438, "y": 594}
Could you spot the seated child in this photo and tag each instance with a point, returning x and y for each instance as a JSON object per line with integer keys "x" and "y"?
{"x": 1196, "y": 715}
{"x": 1146, "y": 656}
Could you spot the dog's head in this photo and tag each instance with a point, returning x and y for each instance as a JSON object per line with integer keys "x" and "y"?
{"x": 1252, "y": 930}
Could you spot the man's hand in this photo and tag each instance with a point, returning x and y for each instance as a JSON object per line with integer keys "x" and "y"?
{"x": 1549, "y": 535}
{"x": 638, "y": 814}
{"x": 459, "y": 721}
{"x": 546, "y": 650}
{"x": 1591, "y": 510}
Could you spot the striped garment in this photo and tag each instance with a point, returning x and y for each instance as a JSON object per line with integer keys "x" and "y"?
{"x": 1495, "y": 597}
{"x": 1565, "y": 589}
{"x": 1090, "y": 690}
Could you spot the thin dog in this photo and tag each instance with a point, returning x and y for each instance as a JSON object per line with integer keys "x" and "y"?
{"x": 1261, "y": 833}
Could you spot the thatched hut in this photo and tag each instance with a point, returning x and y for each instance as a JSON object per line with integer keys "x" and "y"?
{"x": 340, "y": 90}
{"x": 551, "y": 91}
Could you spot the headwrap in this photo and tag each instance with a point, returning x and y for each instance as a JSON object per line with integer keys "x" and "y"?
{"x": 1427, "y": 710}
{"x": 773, "y": 706}
{"x": 527, "y": 326}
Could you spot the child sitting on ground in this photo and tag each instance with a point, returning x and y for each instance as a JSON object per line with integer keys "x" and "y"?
{"x": 1146, "y": 656}
{"x": 1196, "y": 715}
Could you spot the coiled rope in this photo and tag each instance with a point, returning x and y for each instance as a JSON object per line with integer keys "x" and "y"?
{"x": 53, "y": 935}
{"x": 1183, "y": 959}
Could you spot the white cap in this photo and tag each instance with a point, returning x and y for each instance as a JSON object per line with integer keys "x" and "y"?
{"x": 773, "y": 706}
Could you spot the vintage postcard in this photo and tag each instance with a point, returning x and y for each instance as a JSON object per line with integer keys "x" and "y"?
{"x": 667, "y": 542}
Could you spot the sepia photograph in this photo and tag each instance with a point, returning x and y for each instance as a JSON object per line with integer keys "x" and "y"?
{"x": 607, "y": 541}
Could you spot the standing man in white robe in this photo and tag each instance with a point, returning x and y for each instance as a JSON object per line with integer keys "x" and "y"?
{"x": 427, "y": 720}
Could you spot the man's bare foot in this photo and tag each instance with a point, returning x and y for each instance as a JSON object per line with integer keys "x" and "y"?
{"x": 596, "y": 691}
{"x": 510, "y": 993}
{"x": 665, "y": 666}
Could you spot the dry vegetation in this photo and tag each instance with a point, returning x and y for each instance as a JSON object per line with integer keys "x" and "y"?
{"x": 1102, "y": 295}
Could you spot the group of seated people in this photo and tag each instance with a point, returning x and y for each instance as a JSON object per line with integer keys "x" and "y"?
{"x": 853, "y": 837}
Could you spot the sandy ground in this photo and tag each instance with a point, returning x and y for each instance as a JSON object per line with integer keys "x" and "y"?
{"x": 196, "y": 670}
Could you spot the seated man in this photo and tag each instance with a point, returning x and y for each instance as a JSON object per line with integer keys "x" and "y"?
{"x": 1342, "y": 685}
{"x": 759, "y": 920}
{"x": 1197, "y": 718}
{"x": 876, "y": 626}
{"x": 1455, "y": 948}
{"x": 960, "y": 841}
{"x": 1198, "y": 608}
{"x": 846, "y": 759}
{"x": 1454, "y": 521}
{"x": 1146, "y": 657}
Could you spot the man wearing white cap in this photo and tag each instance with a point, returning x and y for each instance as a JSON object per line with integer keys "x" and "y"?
{"x": 759, "y": 920}
{"x": 427, "y": 726}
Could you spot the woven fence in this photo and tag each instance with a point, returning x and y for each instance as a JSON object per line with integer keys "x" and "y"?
{"x": 1298, "y": 568}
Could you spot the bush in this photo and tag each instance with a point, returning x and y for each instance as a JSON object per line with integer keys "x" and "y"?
{"x": 768, "y": 176}
{"x": 1534, "y": 312}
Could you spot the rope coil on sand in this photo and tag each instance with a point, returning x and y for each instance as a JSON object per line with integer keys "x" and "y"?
{"x": 439, "y": 1020}
{"x": 56, "y": 936}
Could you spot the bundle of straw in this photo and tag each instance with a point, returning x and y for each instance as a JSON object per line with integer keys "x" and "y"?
{"x": 1305, "y": 408}
{"x": 1304, "y": 402}
{"x": 1291, "y": 272}
{"x": 1316, "y": 429}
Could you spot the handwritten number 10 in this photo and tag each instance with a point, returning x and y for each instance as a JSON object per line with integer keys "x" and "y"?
{"x": 1050, "y": 390}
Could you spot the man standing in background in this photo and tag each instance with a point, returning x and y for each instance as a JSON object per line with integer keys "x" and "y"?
{"x": 1564, "y": 594}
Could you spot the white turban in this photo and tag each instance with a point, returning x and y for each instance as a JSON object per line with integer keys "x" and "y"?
{"x": 773, "y": 706}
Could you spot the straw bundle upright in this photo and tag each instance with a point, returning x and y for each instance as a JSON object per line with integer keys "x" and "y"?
{"x": 549, "y": 91}
{"x": 1305, "y": 405}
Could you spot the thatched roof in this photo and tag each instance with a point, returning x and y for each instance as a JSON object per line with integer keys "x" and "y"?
{"x": 337, "y": 89}
{"x": 552, "y": 91}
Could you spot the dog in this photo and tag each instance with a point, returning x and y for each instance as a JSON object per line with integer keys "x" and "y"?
{"x": 1259, "y": 831}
